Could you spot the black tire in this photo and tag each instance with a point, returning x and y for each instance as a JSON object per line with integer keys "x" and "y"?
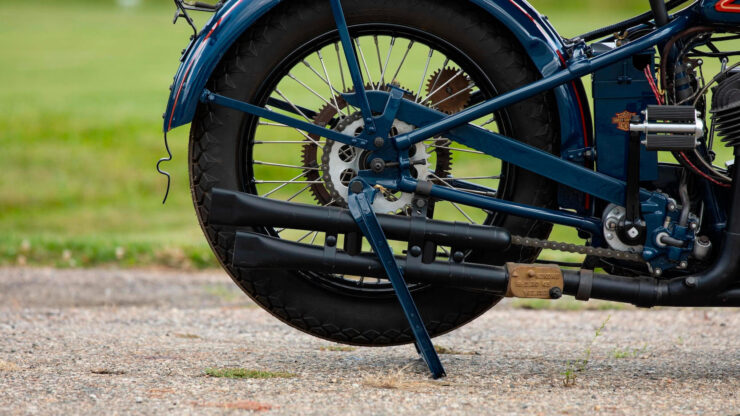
{"x": 215, "y": 142}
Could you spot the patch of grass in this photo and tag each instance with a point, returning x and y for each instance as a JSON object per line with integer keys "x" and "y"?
{"x": 94, "y": 251}
{"x": 223, "y": 292}
{"x": 399, "y": 380}
{"x": 8, "y": 366}
{"x": 245, "y": 373}
{"x": 338, "y": 348}
{"x": 566, "y": 304}
{"x": 186, "y": 336}
{"x": 629, "y": 352}
{"x": 575, "y": 367}
{"x": 80, "y": 132}
{"x": 107, "y": 371}
{"x": 451, "y": 351}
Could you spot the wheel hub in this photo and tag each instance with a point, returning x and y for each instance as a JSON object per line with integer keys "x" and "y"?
{"x": 341, "y": 163}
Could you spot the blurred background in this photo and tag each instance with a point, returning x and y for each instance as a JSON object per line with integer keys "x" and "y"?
{"x": 84, "y": 85}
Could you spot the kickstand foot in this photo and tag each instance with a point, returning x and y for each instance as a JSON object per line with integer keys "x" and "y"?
{"x": 360, "y": 202}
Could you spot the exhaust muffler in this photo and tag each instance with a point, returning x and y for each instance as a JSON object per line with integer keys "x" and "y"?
{"x": 242, "y": 209}
{"x": 258, "y": 251}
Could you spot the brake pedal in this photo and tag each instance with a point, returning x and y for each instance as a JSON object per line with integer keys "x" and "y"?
{"x": 672, "y": 128}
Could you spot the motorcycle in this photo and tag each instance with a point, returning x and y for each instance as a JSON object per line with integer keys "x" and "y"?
{"x": 379, "y": 173}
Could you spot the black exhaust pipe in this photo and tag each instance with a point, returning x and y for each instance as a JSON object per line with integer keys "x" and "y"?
{"x": 717, "y": 286}
{"x": 710, "y": 288}
{"x": 258, "y": 251}
{"x": 242, "y": 209}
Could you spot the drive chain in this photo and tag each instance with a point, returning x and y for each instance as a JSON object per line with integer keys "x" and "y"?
{"x": 573, "y": 248}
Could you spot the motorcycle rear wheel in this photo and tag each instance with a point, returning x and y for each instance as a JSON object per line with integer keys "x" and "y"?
{"x": 222, "y": 140}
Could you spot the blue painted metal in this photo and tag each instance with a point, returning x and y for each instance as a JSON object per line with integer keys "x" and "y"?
{"x": 208, "y": 96}
{"x": 360, "y": 206}
{"x": 353, "y": 65}
{"x": 509, "y": 150}
{"x": 532, "y": 30}
{"x": 620, "y": 88}
{"x": 218, "y": 34}
{"x": 578, "y": 66}
{"x": 656, "y": 216}
{"x": 721, "y": 11}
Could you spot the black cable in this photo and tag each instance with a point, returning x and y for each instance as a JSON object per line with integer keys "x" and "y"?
{"x": 626, "y": 24}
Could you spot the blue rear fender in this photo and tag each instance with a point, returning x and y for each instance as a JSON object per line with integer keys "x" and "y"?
{"x": 538, "y": 37}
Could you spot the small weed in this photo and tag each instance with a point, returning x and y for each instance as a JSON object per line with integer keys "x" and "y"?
{"x": 8, "y": 366}
{"x": 338, "y": 348}
{"x": 629, "y": 352}
{"x": 578, "y": 366}
{"x": 444, "y": 350}
{"x": 566, "y": 304}
{"x": 240, "y": 405}
{"x": 397, "y": 380}
{"x": 107, "y": 371}
{"x": 244, "y": 373}
{"x": 223, "y": 292}
{"x": 185, "y": 335}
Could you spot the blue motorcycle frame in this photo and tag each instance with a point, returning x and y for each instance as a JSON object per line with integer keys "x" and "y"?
{"x": 561, "y": 67}
{"x": 543, "y": 45}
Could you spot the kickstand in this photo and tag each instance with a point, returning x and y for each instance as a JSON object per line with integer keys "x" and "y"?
{"x": 361, "y": 198}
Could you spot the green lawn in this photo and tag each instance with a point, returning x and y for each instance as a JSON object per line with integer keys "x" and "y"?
{"x": 84, "y": 85}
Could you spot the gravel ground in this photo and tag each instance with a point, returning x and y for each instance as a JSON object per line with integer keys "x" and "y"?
{"x": 139, "y": 342}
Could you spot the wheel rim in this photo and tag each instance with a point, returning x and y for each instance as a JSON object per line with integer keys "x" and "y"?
{"x": 318, "y": 76}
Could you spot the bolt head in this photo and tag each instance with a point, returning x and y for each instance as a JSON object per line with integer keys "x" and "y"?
{"x": 421, "y": 203}
{"x": 356, "y": 187}
{"x": 633, "y": 232}
{"x": 693, "y": 225}
{"x": 691, "y": 281}
{"x": 671, "y": 207}
{"x": 415, "y": 251}
{"x": 683, "y": 265}
{"x": 658, "y": 272}
{"x": 458, "y": 256}
{"x": 556, "y": 293}
{"x": 331, "y": 240}
{"x": 609, "y": 236}
{"x": 379, "y": 142}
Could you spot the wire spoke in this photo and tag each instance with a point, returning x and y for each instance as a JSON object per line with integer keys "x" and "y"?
{"x": 259, "y": 162}
{"x": 431, "y": 94}
{"x": 297, "y": 110}
{"x": 405, "y": 55}
{"x": 287, "y": 142}
{"x": 283, "y": 184}
{"x": 289, "y": 182}
{"x": 341, "y": 68}
{"x": 468, "y": 88}
{"x": 424, "y": 77}
{"x": 295, "y": 195}
{"x": 381, "y": 81}
{"x": 387, "y": 59}
{"x": 303, "y": 133}
{"x": 491, "y": 120}
{"x": 306, "y": 235}
{"x": 462, "y": 212}
{"x": 455, "y": 149}
{"x": 291, "y": 76}
{"x": 364, "y": 63}
{"x": 439, "y": 74}
{"x": 328, "y": 81}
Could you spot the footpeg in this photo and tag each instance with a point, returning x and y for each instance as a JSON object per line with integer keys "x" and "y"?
{"x": 672, "y": 128}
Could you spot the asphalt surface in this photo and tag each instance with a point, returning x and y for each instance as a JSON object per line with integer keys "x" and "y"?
{"x": 140, "y": 342}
